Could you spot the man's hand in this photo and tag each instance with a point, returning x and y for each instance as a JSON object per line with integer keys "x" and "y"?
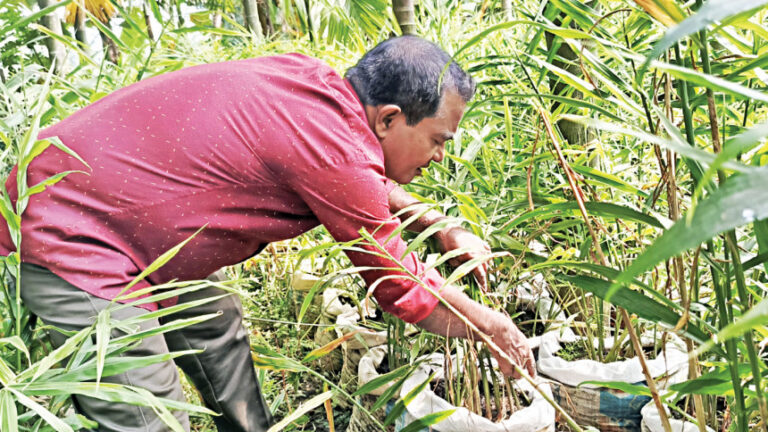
{"x": 453, "y": 238}
{"x": 513, "y": 342}
{"x": 496, "y": 325}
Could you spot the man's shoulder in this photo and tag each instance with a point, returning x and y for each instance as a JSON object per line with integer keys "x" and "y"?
{"x": 290, "y": 62}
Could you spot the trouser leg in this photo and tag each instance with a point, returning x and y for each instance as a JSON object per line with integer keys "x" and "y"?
{"x": 223, "y": 372}
{"x": 60, "y": 304}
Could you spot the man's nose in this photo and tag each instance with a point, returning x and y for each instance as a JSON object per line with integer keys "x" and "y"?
{"x": 439, "y": 155}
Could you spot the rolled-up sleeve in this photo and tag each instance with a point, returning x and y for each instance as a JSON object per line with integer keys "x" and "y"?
{"x": 353, "y": 196}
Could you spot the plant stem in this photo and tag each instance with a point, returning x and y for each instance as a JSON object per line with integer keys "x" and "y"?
{"x": 730, "y": 345}
{"x": 745, "y": 301}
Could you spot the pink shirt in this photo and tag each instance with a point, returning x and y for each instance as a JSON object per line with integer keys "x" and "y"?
{"x": 255, "y": 150}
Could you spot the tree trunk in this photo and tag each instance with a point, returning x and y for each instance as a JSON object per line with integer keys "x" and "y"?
{"x": 265, "y": 17}
{"x": 251, "y": 12}
{"x": 80, "y": 26}
{"x": 179, "y": 16}
{"x": 147, "y": 22}
{"x": 113, "y": 52}
{"x": 506, "y": 9}
{"x": 56, "y": 52}
{"x": 216, "y": 19}
{"x": 406, "y": 16}
{"x": 310, "y": 29}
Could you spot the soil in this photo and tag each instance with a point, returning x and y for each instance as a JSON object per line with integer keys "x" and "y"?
{"x": 529, "y": 323}
{"x": 571, "y": 351}
{"x": 507, "y": 409}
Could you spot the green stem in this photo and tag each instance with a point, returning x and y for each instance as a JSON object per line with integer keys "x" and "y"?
{"x": 682, "y": 90}
{"x": 745, "y": 301}
{"x": 730, "y": 345}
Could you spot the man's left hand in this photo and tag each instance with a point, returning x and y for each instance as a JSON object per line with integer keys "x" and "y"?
{"x": 452, "y": 238}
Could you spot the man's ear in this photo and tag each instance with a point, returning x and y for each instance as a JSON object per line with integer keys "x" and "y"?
{"x": 385, "y": 115}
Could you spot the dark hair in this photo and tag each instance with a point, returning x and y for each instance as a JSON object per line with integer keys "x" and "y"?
{"x": 409, "y": 72}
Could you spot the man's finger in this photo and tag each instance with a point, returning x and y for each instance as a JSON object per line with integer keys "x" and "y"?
{"x": 531, "y": 364}
{"x": 480, "y": 273}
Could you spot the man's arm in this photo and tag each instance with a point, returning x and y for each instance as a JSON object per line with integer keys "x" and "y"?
{"x": 399, "y": 199}
{"x": 442, "y": 320}
{"x": 449, "y": 238}
{"x": 499, "y": 327}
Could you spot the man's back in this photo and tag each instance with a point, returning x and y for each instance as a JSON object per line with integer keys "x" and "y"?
{"x": 213, "y": 145}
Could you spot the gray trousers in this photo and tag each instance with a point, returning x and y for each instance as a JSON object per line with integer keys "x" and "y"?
{"x": 223, "y": 373}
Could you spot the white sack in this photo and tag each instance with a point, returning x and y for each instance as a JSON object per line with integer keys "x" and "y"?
{"x": 538, "y": 417}
{"x": 652, "y": 421}
{"x": 673, "y": 360}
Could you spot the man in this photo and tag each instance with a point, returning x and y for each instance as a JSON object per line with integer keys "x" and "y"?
{"x": 256, "y": 151}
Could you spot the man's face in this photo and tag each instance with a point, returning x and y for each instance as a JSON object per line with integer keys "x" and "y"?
{"x": 408, "y": 149}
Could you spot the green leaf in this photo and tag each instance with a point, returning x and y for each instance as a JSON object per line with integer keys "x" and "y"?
{"x": 382, "y": 379}
{"x": 754, "y": 318}
{"x": 52, "y": 180}
{"x": 301, "y": 410}
{"x": 741, "y": 143}
{"x": 426, "y": 233}
{"x": 608, "y": 179}
{"x": 14, "y": 24}
{"x": 33, "y": 151}
{"x": 164, "y": 328}
{"x": 468, "y": 266}
{"x": 103, "y": 332}
{"x": 276, "y": 363}
{"x": 407, "y": 399}
{"x": 8, "y": 415}
{"x": 61, "y": 146}
{"x": 6, "y": 374}
{"x": 17, "y": 343}
{"x": 65, "y": 350}
{"x": 712, "y": 11}
{"x": 117, "y": 365}
{"x": 160, "y": 261}
{"x": 717, "y": 382}
{"x": 761, "y": 235}
{"x": 559, "y": 31}
{"x": 156, "y": 11}
{"x": 636, "y": 303}
{"x": 390, "y": 393}
{"x": 428, "y": 420}
{"x": 212, "y": 30}
{"x": 55, "y": 422}
{"x": 740, "y": 200}
{"x": 106, "y": 30}
{"x": 711, "y": 82}
{"x": 109, "y": 392}
{"x": 681, "y": 148}
{"x": 594, "y": 208}
{"x": 327, "y": 348}
{"x": 609, "y": 273}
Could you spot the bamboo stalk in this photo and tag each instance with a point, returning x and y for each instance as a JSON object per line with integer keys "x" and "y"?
{"x": 745, "y": 301}
{"x": 731, "y": 352}
{"x": 486, "y": 388}
{"x": 730, "y": 238}
{"x": 473, "y": 329}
